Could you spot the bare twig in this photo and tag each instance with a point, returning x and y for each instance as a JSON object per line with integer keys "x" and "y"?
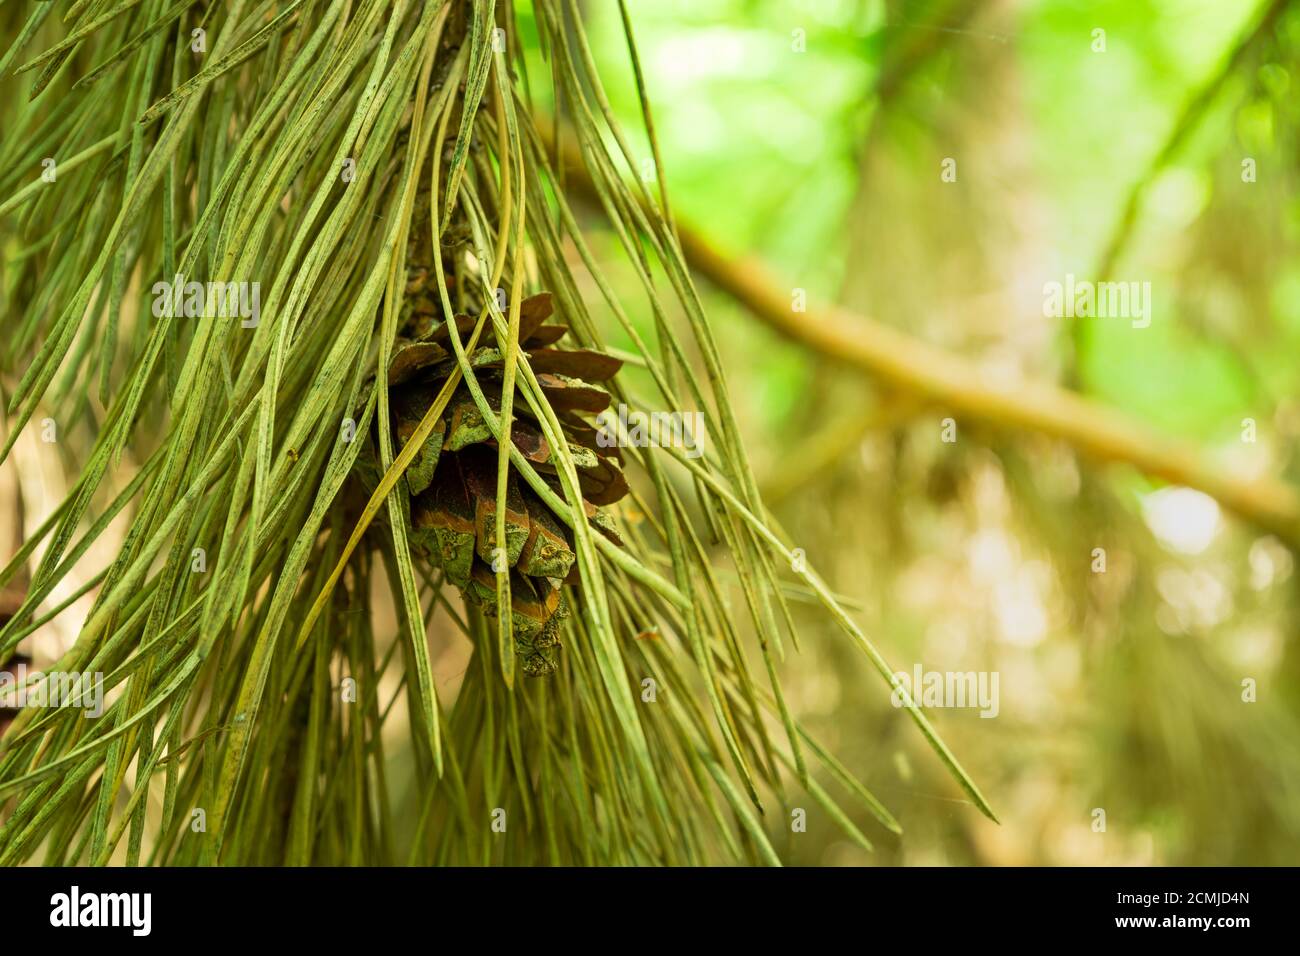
{"x": 967, "y": 389}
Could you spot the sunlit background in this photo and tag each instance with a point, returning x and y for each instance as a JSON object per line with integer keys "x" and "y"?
{"x": 812, "y": 134}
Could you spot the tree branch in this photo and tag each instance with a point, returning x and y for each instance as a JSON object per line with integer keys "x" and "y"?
{"x": 960, "y": 384}
{"x": 912, "y": 365}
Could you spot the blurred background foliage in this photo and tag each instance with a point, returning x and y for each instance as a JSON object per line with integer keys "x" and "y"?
{"x": 809, "y": 134}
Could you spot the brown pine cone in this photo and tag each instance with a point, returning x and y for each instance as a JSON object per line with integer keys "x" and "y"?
{"x": 452, "y": 480}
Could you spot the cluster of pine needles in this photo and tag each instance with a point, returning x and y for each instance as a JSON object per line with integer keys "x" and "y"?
{"x": 301, "y": 145}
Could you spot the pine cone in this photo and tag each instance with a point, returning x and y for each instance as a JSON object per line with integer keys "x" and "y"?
{"x": 452, "y": 481}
